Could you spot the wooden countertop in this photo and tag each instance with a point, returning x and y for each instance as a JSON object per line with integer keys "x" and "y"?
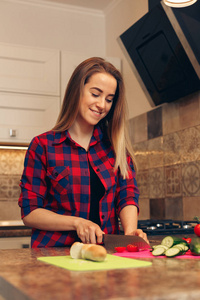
{"x": 23, "y": 277}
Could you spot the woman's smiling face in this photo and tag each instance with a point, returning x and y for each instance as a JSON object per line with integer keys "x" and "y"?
{"x": 97, "y": 99}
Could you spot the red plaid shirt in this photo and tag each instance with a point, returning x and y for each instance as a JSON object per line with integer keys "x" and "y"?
{"x": 56, "y": 177}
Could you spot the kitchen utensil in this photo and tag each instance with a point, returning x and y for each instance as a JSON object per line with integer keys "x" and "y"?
{"x": 112, "y": 262}
{"x": 111, "y": 241}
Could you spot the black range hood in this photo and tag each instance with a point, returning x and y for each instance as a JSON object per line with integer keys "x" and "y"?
{"x": 163, "y": 49}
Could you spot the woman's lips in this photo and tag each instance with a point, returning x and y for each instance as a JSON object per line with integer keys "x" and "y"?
{"x": 98, "y": 113}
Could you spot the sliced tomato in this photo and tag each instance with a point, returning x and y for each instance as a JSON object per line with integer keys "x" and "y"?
{"x": 132, "y": 248}
{"x": 120, "y": 249}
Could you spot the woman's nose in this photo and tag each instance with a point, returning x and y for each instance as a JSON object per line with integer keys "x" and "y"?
{"x": 101, "y": 102}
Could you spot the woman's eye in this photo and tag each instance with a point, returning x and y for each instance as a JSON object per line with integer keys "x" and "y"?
{"x": 95, "y": 95}
{"x": 109, "y": 100}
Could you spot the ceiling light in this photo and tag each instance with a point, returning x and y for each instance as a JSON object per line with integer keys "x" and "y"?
{"x": 179, "y": 3}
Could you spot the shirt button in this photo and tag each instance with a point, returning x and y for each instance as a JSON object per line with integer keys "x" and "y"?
{"x": 103, "y": 217}
{"x": 56, "y": 174}
{"x": 97, "y": 169}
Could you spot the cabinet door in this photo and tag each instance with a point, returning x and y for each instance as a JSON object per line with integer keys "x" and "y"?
{"x": 29, "y": 70}
{"x": 24, "y": 116}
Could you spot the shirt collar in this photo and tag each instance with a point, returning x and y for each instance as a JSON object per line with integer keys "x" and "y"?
{"x": 60, "y": 137}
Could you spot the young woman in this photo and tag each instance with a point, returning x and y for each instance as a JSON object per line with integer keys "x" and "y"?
{"x": 79, "y": 177}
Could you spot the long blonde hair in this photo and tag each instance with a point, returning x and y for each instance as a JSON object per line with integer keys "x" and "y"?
{"x": 114, "y": 122}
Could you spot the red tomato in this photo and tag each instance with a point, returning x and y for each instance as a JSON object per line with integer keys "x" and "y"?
{"x": 188, "y": 240}
{"x": 197, "y": 229}
{"x": 132, "y": 248}
{"x": 120, "y": 249}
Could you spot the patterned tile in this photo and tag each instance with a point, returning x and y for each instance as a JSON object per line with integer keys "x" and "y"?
{"x": 171, "y": 122}
{"x": 141, "y": 155}
{"x": 9, "y": 187}
{"x": 189, "y": 111}
{"x": 157, "y": 209}
{"x": 173, "y": 181}
{"x": 138, "y": 128}
{"x": 143, "y": 183}
{"x": 144, "y": 209}
{"x": 156, "y": 183}
{"x": 174, "y": 208}
{"x": 190, "y": 144}
{"x": 154, "y": 121}
{"x": 191, "y": 207}
{"x": 191, "y": 179}
{"x": 9, "y": 210}
{"x": 12, "y": 161}
{"x": 172, "y": 149}
{"x": 155, "y": 152}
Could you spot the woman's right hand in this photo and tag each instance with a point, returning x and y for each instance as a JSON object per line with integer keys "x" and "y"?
{"x": 88, "y": 232}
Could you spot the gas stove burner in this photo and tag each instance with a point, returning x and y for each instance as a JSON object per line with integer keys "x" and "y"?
{"x": 186, "y": 226}
{"x": 156, "y": 227}
{"x": 159, "y": 225}
{"x": 151, "y": 227}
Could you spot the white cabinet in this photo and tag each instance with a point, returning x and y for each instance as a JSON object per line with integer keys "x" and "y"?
{"x": 29, "y": 92}
{"x": 29, "y": 70}
{"x": 15, "y": 242}
{"x": 24, "y": 116}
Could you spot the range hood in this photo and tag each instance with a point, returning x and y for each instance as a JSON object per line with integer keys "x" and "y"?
{"x": 163, "y": 49}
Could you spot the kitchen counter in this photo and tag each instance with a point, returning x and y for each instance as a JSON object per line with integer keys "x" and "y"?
{"x": 23, "y": 277}
{"x": 14, "y": 228}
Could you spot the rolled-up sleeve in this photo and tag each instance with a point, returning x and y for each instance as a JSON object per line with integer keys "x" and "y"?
{"x": 127, "y": 190}
{"x": 33, "y": 183}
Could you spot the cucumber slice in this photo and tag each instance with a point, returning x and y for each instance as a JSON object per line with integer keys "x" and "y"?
{"x": 182, "y": 249}
{"x": 159, "y": 251}
{"x": 174, "y": 251}
{"x": 158, "y": 246}
{"x": 170, "y": 241}
{"x": 180, "y": 246}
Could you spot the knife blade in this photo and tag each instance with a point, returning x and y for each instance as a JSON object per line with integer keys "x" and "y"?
{"x": 110, "y": 241}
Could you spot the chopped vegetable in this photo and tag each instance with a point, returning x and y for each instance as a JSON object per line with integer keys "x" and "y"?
{"x": 170, "y": 247}
{"x": 158, "y": 251}
{"x": 132, "y": 248}
{"x": 170, "y": 241}
{"x": 195, "y": 246}
{"x": 188, "y": 240}
{"x": 120, "y": 249}
{"x": 174, "y": 251}
{"x": 158, "y": 246}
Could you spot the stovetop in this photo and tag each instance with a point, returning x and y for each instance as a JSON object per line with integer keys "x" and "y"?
{"x": 160, "y": 227}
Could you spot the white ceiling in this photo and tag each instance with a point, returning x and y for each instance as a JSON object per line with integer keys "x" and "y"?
{"x": 91, "y": 4}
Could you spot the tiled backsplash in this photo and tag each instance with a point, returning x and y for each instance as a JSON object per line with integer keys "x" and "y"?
{"x": 11, "y": 167}
{"x": 166, "y": 141}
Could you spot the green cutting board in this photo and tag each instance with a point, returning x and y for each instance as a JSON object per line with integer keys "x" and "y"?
{"x": 111, "y": 262}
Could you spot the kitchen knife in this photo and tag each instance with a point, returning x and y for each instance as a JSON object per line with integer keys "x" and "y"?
{"x": 110, "y": 241}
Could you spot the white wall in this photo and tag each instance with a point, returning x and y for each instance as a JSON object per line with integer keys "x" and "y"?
{"x": 121, "y": 17}
{"x": 36, "y": 23}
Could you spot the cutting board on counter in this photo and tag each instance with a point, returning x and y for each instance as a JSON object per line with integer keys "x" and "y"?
{"x": 112, "y": 262}
{"x": 148, "y": 254}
